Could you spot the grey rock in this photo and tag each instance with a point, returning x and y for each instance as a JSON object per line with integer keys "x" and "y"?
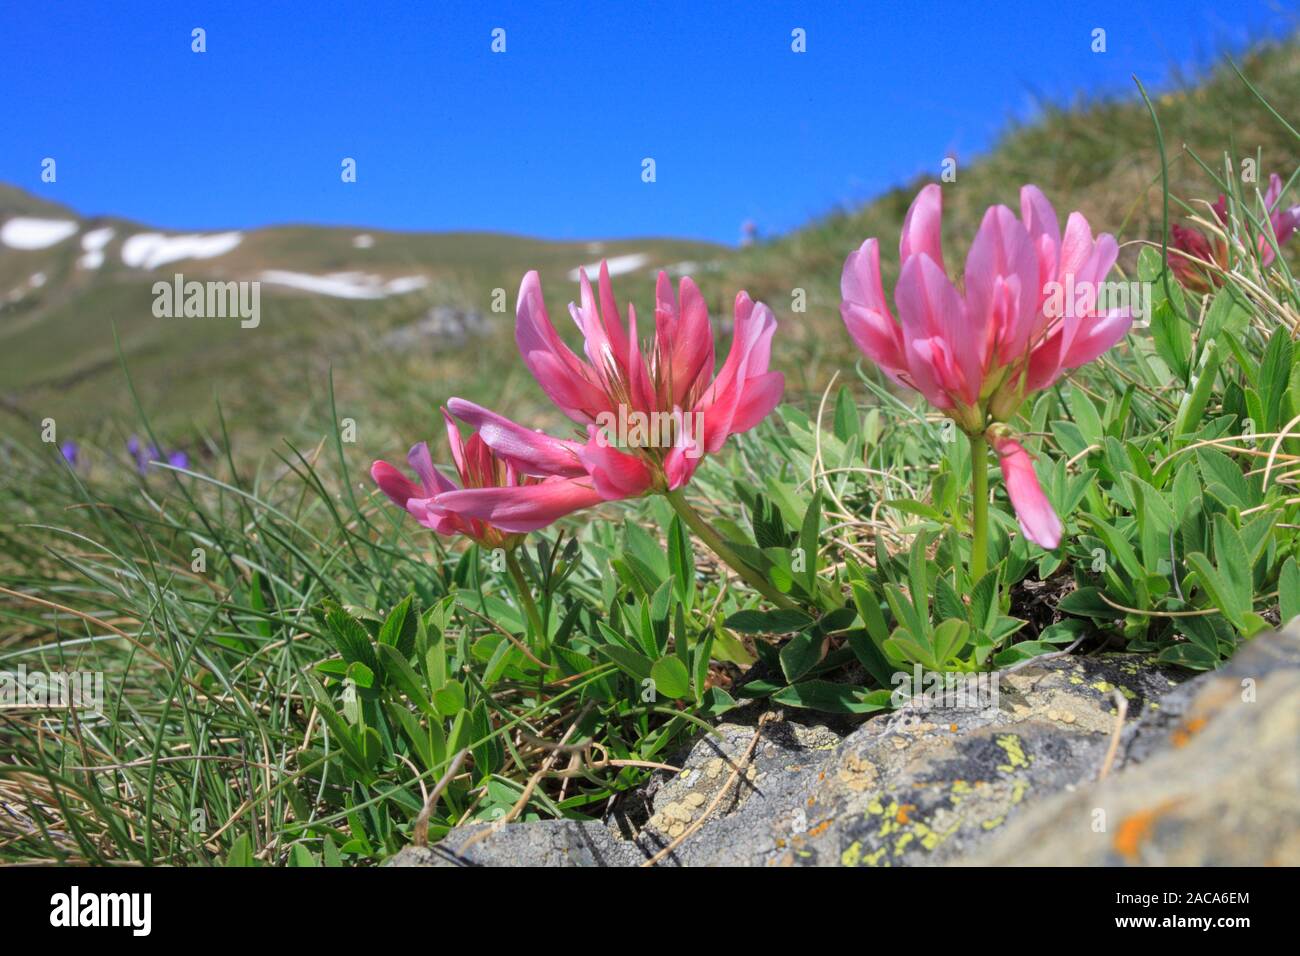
{"x": 441, "y": 325}
{"x": 1012, "y": 782}
{"x": 920, "y": 786}
{"x": 1218, "y": 783}
{"x": 1258, "y": 659}
{"x": 540, "y": 843}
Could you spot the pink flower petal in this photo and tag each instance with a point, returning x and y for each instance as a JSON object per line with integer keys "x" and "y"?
{"x": 679, "y": 468}
{"x": 751, "y": 348}
{"x": 1273, "y": 194}
{"x": 1044, "y": 231}
{"x": 480, "y": 465}
{"x": 456, "y": 445}
{"x": 930, "y": 368}
{"x": 531, "y": 452}
{"x": 609, "y": 309}
{"x": 1087, "y": 288}
{"x": 615, "y": 474}
{"x": 760, "y": 395}
{"x": 932, "y": 312}
{"x": 519, "y": 509}
{"x": 684, "y": 336}
{"x": 1002, "y": 289}
{"x": 1282, "y": 222}
{"x": 1076, "y": 245}
{"x": 1045, "y": 364}
{"x": 1097, "y": 334}
{"x": 922, "y": 233}
{"x": 395, "y": 484}
{"x": 1220, "y": 209}
{"x": 639, "y": 384}
{"x": 1038, "y": 521}
{"x": 432, "y": 480}
{"x": 866, "y": 313}
{"x": 1285, "y": 223}
{"x": 569, "y": 382}
{"x": 603, "y": 337}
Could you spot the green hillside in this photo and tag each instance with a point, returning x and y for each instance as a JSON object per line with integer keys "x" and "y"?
{"x": 59, "y": 358}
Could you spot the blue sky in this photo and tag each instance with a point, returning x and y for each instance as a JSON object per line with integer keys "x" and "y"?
{"x": 548, "y": 138}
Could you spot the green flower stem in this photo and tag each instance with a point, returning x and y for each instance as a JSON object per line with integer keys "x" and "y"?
{"x": 709, "y": 535}
{"x": 979, "y": 487}
{"x": 525, "y": 596}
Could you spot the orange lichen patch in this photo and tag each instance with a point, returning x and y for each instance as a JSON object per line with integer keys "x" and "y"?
{"x": 952, "y": 728}
{"x": 1185, "y": 731}
{"x": 819, "y": 829}
{"x": 1136, "y": 829}
{"x": 901, "y": 815}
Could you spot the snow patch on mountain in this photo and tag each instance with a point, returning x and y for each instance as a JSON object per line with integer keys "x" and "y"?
{"x": 148, "y": 250}
{"x": 35, "y": 281}
{"x": 345, "y": 285}
{"x": 26, "y": 232}
{"x": 617, "y": 266}
{"x": 92, "y": 245}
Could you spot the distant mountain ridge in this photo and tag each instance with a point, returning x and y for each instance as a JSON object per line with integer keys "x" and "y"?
{"x": 328, "y": 293}
{"x": 362, "y": 302}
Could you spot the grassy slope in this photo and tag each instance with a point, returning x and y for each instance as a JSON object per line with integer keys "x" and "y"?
{"x": 18, "y": 202}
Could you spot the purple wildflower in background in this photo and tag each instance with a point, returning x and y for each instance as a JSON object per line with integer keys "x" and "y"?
{"x": 71, "y": 452}
{"x": 136, "y": 451}
{"x": 146, "y": 456}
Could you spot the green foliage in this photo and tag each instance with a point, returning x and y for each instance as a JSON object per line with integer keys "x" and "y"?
{"x": 294, "y": 701}
{"x": 1182, "y": 543}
